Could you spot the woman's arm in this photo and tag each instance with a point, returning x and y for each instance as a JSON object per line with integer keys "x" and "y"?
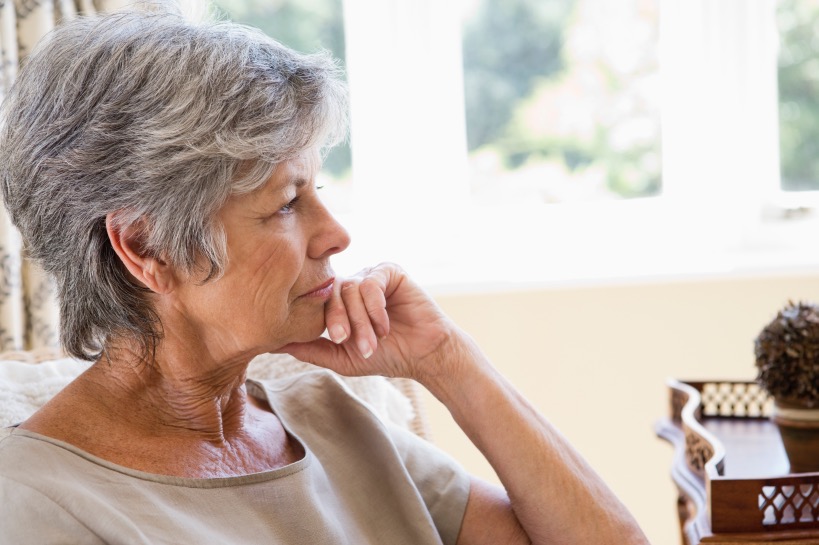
{"x": 556, "y": 497}
{"x": 382, "y": 323}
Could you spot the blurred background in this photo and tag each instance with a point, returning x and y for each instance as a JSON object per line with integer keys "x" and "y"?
{"x": 604, "y": 194}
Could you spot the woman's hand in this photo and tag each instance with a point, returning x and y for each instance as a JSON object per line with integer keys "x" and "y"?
{"x": 381, "y": 323}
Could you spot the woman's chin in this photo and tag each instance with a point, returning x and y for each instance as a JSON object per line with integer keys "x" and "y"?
{"x": 309, "y": 333}
{"x": 305, "y": 332}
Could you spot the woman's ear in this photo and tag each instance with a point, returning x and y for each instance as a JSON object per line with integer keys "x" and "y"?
{"x": 129, "y": 244}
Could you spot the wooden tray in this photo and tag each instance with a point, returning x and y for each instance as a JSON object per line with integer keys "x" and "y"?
{"x": 731, "y": 469}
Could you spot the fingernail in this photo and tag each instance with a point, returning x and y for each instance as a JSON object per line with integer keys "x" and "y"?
{"x": 365, "y": 349}
{"x": 337, "y": 334}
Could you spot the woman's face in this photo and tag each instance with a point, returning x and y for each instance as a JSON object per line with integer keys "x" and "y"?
{"x": 278, "y": 275}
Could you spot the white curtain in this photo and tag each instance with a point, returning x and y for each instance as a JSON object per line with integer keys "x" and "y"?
{"x": 28, "y": 310}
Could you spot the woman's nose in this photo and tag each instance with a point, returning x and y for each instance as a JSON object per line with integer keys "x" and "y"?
{"x": 330, "y": 238}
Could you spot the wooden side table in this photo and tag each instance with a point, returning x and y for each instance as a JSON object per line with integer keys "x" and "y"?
{"x": 731, "y": 470}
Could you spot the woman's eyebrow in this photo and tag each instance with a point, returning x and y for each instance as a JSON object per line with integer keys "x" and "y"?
{"x": 298, "y": 181}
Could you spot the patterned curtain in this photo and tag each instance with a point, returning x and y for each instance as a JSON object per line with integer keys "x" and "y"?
{"x": 28, "y": 310}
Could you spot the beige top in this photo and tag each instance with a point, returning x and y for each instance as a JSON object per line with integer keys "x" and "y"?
{"x": 360, "y": 482}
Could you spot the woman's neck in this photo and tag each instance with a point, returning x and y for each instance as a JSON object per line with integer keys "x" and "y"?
{"x": 181, "y": 414}
{"x": 179, "y": 392}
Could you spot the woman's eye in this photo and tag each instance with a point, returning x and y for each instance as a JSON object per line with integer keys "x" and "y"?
{"x": 287, "y": 208}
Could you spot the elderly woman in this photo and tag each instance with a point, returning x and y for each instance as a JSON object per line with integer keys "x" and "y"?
{"x": 163, "y": 173}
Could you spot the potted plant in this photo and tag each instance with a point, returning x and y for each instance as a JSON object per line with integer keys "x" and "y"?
{"x": 787, "y": 359}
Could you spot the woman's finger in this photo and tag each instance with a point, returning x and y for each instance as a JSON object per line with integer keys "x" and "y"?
{"x": 320, "y": 352}
{"x": 372, "y": 292}
{"x": 335, "y": 316}
{"x": 362, "y": 330}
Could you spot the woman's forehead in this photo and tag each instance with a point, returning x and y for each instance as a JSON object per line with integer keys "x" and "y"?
{"x": 298, "y": 171}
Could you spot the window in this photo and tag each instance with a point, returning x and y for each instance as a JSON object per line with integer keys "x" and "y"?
{"x": 562, "y": 99}
{"x": 503, "y": 140}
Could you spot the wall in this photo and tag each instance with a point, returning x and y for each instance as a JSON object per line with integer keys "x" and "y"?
{"x": 594, "y": 361}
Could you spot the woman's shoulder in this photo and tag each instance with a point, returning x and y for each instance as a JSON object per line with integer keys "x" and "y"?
{"x": 304, "y": 384}
{"x": 319, "y": 403}
{"x": 313, "y": 389}
{"x": 5, "y": 441}
{"x": 25, "y": 459}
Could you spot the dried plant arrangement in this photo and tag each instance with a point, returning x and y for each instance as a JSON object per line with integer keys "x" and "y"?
{"x": 787, "y": 355}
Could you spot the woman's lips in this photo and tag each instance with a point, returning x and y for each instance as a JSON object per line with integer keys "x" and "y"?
{"x": 323, "y": 291}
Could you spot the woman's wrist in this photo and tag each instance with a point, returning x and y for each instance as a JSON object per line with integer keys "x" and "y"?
{"x": 454, "y": 365}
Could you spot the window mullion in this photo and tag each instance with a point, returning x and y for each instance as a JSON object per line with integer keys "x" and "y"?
{"x": 405, "y": 74}
{"x": 719, "y": 109}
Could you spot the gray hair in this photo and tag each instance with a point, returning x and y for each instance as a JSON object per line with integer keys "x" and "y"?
{"x": 161, "y": 120}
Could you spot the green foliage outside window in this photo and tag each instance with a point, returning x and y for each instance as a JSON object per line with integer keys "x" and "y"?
{"x": 550, "y": 90}
{"x": 798, "y": 22}
{"x": 507, "y": 46}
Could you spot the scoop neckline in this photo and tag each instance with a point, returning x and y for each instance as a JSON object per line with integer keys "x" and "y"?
{"x": 258, "y": 390}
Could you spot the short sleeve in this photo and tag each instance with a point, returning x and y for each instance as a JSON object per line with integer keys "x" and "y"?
{"x": 441, "y": 481}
